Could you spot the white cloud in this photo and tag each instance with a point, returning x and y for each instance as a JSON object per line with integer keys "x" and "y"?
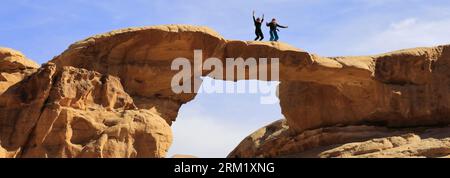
{"x": 403, "y": 24}
{"x": 408, "y": 33}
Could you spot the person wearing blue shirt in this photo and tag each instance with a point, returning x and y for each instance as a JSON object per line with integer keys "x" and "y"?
{"x": 274, "y": 29}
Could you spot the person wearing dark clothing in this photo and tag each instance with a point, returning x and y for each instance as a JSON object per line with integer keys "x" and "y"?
{"x": 258, "y": 31}
{"x": 274, "y": 29}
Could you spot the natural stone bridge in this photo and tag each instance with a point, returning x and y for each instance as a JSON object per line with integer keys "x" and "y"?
{"x": 404, "y": 88}
{"x": 133, "y": 68}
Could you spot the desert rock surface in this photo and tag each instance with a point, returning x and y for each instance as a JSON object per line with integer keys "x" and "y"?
{"x": 78, "y": 113}
{"x": 276, "y": 140}
{"x": 110, "y": 95}
{"x": 14, "y": 66}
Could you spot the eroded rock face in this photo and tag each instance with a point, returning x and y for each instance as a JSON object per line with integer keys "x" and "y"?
{"x": 78, "y": 113}
{"x": 142, "y": 58}
{"x": 277, "y": 140}
{"x": 14, "y": 66}
{"x": 406, "y": 89}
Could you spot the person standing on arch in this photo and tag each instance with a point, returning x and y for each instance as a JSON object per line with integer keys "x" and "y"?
{"x": 258, "y": 31}
{"x": 274, "y": 29}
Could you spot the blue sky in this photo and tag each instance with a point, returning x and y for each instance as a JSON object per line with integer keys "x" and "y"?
{"x": 213, "y": 124}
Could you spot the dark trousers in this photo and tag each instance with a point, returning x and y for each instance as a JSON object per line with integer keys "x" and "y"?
{"x": 273, "y": 35}
{"x": 259, "y": 35}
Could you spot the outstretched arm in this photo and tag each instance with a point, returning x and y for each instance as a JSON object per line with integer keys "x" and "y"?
{"x": 262, "y": 19}
{"x": 254, "y": 19}
{"x": 281, "y": 26}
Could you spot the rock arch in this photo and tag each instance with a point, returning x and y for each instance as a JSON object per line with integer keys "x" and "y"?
{"x": 315, "y": 91}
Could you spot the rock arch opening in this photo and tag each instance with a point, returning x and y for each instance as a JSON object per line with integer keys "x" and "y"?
{"x": 214, "y": 123}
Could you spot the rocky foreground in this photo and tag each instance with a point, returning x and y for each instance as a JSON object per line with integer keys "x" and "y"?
{"x": 277, "y": 140}
{"x": 110, "y": 96}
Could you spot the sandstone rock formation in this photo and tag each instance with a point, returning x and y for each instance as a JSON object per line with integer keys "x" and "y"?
{"x": 399, "y": 89}
{"x": 403, "y": 88}
{"x": 125, "y": 76}
{"x": 14, "y": 66}
{"x": 276, "y": 140}
{"x": 77, "y": 113}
